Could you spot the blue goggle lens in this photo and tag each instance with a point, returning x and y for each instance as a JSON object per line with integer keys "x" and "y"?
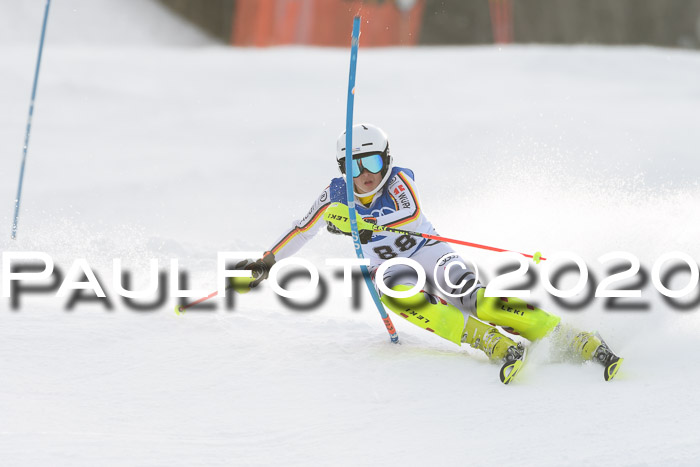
{"x": 373, "y": 163}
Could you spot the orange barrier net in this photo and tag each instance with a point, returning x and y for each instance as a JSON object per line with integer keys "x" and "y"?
{"x": 262, "y": 23}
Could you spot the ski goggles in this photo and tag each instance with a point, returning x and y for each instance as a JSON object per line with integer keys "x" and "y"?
{"x": 373, "y": 163}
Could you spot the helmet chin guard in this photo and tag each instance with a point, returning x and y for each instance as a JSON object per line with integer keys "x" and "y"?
{"x": 366, "y": 139}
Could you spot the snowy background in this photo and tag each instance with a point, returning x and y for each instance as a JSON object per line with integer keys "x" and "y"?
{"x": 151, "y": 141}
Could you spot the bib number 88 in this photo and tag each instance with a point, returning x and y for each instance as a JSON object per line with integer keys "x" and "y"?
{"x": 402, "y": 243}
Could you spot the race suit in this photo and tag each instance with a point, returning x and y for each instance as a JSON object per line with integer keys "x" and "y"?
{"x": 396, "y": 204}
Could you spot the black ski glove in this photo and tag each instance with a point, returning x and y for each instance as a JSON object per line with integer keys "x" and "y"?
{"x": 260, "y": 269}
{"x": 365, "y": 234}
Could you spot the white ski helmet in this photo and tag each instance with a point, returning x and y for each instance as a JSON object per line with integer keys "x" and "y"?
{"x": 367, "y": 139}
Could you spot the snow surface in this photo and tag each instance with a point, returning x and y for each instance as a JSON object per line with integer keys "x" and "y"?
{"x": 180, "y": 152}
{"x": 97, "y": 23}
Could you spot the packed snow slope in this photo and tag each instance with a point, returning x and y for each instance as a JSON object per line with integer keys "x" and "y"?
{"x": 97, "y": 23}
{"x": 180, "y": 152}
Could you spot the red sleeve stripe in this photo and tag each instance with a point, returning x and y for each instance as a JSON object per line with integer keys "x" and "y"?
{"x": 407, "y": 220}
{"x": 298, "y": 230}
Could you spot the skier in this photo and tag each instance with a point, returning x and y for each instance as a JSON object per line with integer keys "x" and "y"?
{"x": 387, "y": 195}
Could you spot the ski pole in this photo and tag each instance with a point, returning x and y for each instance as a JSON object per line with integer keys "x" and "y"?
{"x": 29, "y": 122}
{"x": 537, "y": 257}
{"x": 238, "y": 287}
{"x": 180, "y": 309}
{"x": 339, "y": 215}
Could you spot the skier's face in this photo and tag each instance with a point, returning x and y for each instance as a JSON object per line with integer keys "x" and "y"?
{"x": 367, "y": 181}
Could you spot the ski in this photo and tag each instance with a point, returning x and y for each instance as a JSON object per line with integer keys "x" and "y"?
{"x": 606, "y": 357}
{"x": 513, "y": 363}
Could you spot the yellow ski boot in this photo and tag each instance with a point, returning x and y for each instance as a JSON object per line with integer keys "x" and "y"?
{"x": 496, "y": 346}
{"x": 589, "y": 346}
{"x": 435, "y": 315}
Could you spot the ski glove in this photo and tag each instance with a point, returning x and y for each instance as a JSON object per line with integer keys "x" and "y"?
{"x": 259, "y": 268}
{"x": 365, "y": 234}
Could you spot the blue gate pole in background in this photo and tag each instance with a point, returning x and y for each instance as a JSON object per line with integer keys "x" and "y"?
{"x": 29, "y": 122}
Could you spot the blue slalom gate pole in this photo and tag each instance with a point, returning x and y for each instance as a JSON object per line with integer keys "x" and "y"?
{"x": 349, "y": 183}
{"x": 29, "y": 122}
